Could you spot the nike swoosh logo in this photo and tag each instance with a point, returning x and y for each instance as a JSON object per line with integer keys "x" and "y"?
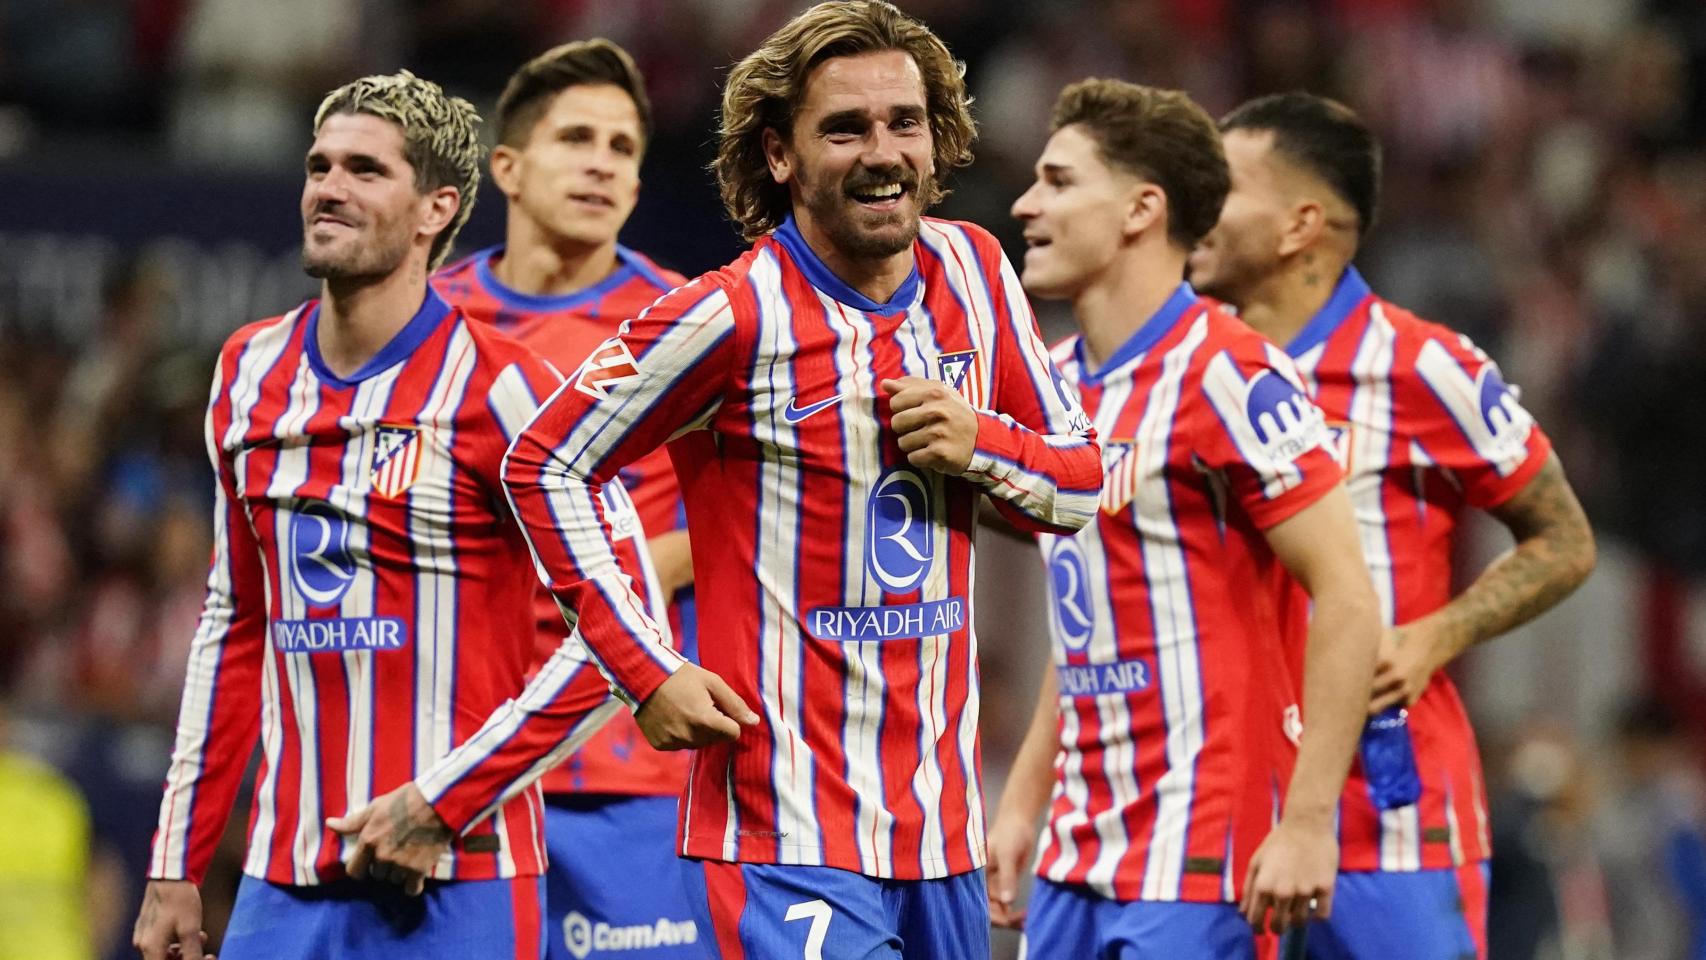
{"x": 793, "y": 413}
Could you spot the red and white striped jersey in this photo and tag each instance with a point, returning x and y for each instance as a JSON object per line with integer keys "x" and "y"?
{"x": 1425, "y": 426}
{"x": 1176, "y": 709}
{"x": 369, "y": 599}
{"x": 565, "y": 330}
{"x": 834, "y": 579}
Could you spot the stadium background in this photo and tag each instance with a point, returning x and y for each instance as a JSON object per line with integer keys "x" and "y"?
{"x": 1545, "y": 193}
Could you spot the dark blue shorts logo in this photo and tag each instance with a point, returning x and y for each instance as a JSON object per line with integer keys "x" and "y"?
{"x": 1069, "y": 575}
{"x": 898, "y": 532}
{"x": 320, "y": 561}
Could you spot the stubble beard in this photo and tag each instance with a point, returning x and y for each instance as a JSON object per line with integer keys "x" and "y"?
{"x": 357, "y": 261}
{"x": 839, "y": 215}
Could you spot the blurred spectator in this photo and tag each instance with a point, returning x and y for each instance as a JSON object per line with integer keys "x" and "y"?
{"x": 1654, "y": 839}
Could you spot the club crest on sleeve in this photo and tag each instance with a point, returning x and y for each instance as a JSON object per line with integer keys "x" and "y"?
{"x": 397, "y": 455}
{"x": 610, "y": 365}
{"x": 959, "y": 370}
{"x": 1121, "y": 475}
{"x": 1286, "y": 424}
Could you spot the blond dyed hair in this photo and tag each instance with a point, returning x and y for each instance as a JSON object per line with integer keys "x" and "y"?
{"x": 764, "y": 90}
{"x": 441, "y": 138}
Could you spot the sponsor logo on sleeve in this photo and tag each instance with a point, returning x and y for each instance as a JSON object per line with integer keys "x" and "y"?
{"x": 1287, "y": 425}
{"x": 1507, "y": 423}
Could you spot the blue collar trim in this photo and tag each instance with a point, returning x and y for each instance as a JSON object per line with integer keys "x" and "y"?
{"x": 1346, "y": 296}
{"x": 414, "y": 333}
{"x": 1146, "y": 336}
{"x": 627, "y": 265}
{"x": 820, "y": 276}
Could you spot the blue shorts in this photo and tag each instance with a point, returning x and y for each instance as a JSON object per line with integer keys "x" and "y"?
{"x": 764, "y": 912}
{"x": 1067, "y": 922}
{"x": 378, "y": 921}
{"x": 615, "y": 888}
{"x": 1427, "y": 915}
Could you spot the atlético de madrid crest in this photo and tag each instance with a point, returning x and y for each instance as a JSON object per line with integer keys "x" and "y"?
{"x": 396, "y": 459}
{"x": 959, "y": 370}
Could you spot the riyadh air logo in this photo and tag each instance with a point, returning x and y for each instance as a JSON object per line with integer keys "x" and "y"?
{"x": 1507, "y": 423}
{"x": 320, "y": 561}
{"x": 610, "y": 365}
{"x": 1076, "y": 419}
{"x": 898, "y": 530}
{"x": 582, "y": 936}
{"x": 1069, "y": 575}
{"x": 396, "y": 459}
{"x": 1286, "y": 423}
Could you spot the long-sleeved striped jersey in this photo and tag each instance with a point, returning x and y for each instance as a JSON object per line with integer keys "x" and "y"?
{"x": 565, "y": 330}
{"x": 1174, "y": 697}
{"x": 369, "y": 600}
{"x": 834, "y": 579}
{"x": 1426, "y": 426}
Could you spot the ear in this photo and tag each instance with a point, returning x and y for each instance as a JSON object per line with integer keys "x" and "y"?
{"x": 1303, "y": 228}
{"x": 506, "y": 170}
{"x": 438, "y": 209}
{"x": 776, "y": 155}
{"x": 1146, "y": 208}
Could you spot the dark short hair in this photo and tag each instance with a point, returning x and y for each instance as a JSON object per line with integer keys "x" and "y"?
{"x": 1161, "y": 136}
{"x": 1323, "y": 137}
{"x": 580, "y": 63}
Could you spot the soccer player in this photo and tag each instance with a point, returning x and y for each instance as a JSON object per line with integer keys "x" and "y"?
{"x": 572, "y": 126}
{"x": 841, "y": 396}
{"x": 1162, "y": 741}
{"x": 1426, "y": 427}
{"x": 369, "y": 598}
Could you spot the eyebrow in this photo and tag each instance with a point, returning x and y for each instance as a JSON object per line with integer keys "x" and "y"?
{"x": 905, "y": 111}
{"x": 1055, "y": 168}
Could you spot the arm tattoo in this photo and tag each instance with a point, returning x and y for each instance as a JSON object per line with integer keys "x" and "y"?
{"x": 1554, "y": 553}
{"x": 408, "y": 830}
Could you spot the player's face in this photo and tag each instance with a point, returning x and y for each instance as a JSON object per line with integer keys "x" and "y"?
{"x": 860, "y": 154}
{"x": 360, "y": 209}
{"x": 1074, "y": 216}
{"x": 578, "y": 174}
{"x": 1242, "y": 250}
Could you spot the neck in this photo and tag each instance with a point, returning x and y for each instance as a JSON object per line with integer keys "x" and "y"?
{"x": 359, "y": 316}
{"x": 874, "y": 277}
{"x": 1116, "y": 305}
{"x": 1283, "y": 304}
{"x": 538, "y": 264}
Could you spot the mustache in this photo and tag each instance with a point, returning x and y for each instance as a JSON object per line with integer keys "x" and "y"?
{"x": 330, "y": 209}
{"x": 865, "y": 178}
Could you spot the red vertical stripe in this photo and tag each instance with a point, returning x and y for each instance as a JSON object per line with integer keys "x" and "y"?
{"x": 725, "y": 888}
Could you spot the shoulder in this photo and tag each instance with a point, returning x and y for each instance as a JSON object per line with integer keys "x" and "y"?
{"x": 498, "y": 351}
{"x": 1224, "y": 333}
{"x": 258, "y": 333}
{"x": 660, "y": 277}
{"x": 962, "y": 235}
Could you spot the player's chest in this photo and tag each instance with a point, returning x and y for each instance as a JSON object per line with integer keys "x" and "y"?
{"x": 814, "y": 392}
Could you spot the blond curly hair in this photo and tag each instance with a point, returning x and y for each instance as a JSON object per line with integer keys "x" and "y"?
{"x": 441, "y": 137}
{"x": 764, "y": 90}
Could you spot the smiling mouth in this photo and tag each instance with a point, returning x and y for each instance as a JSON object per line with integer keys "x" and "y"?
{"x": 881, "y": 195}
{"x": 592, "y": 199}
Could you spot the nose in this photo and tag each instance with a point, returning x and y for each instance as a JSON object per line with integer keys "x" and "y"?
{"x": 882, "y": 148}
{"x": 1025, "y": 208}
{"x": 332, "y": 187}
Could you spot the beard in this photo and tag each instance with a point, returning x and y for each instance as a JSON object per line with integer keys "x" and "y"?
{"x": 1237, "y": 271}
{"x": 864, "y": 234}
{"x": 377, "y": 254}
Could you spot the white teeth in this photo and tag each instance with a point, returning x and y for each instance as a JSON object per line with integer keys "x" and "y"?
{"x": 886, "y": 191}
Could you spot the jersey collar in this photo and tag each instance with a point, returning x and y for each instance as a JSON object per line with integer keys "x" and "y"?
{"x": 1146, "y": 336}
{"x": 1350, "y": 292}
{"x": 627, "y": 265}
{"x": 414, "y": 333}
{"x": 820, "y": 276}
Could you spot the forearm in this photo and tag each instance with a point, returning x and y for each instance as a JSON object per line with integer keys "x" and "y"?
{"x": 1030, "y": 782}
{"x": 1338, "y": 664}
{"x": 1038, "y": 482}
{"x": 1554, "y": 553}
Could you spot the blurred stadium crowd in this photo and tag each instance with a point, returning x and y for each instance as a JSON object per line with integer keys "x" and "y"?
{"x": 1545, "y": 193}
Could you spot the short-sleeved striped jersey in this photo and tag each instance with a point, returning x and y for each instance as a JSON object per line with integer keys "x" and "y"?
{"x": 1426, "y": 426}
{"x": 1176, "y": 710}
{"x": 834, "y": 579}
{"x": 565, "y": 330}
{"x": 369, "y": 602}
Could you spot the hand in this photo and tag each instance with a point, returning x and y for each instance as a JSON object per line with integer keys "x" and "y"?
{"x": 693, "y": 708}
{"x": 1291, "y": 877}
{"x": 169, "y": 924}
{"x": 937, "y": 427}
{"x": 398, "y": 838}
{"x": 1404, "y": 667}
{"x": 1012, "y": 844}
